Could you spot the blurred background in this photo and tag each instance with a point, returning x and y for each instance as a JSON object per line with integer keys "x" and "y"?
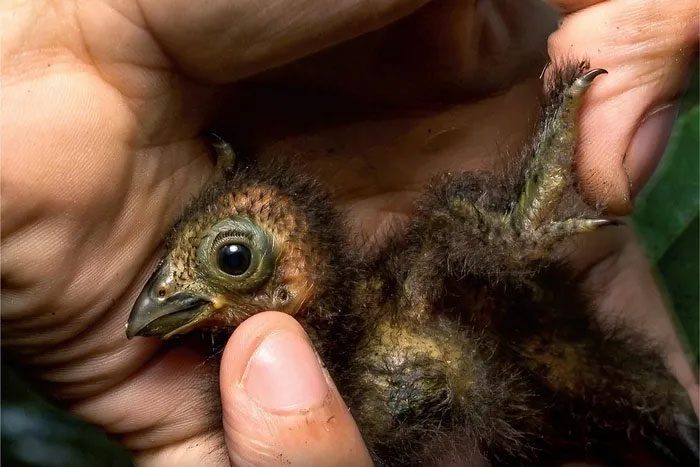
{"x": 36, "y": 433}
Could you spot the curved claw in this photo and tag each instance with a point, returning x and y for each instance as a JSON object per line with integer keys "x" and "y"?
{"x": 587, "y": 78}
{"x": 595, "y": 223}
{"x": 555, "y": 231}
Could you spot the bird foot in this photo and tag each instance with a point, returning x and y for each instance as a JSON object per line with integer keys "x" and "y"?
{"x": 534, "y": 225}
{"x": 549, "y": 172}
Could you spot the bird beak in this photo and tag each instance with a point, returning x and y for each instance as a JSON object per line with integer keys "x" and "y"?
{"x": 160, "y": 312}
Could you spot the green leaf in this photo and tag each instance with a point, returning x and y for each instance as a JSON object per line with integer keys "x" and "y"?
{"x": 671, "y": 201}
{"x": 680, "y": 269}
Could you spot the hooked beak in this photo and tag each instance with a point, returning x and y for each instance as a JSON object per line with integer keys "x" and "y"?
{"x": 160, "y": 312}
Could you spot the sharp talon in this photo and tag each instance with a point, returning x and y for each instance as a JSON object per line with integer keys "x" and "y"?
{"x": 592, "y": 224}
{"x": 557, "y": 230}
{"x": 213, "y": 138}
{"x": 216, "y": 141}
{"x": 587, "y": 78}
{"x": 608, "y": 222}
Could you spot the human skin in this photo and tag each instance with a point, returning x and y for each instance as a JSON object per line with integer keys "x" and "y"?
{"x": 102, "y": 107}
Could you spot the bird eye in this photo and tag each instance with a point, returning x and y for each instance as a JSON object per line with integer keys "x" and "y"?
{"x": 236, "y": 254}
{"x": 234, "y": 259}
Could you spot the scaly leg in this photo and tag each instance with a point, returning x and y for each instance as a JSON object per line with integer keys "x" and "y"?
{"x": 549, "y": 173}
{"x": 509, "y": 223}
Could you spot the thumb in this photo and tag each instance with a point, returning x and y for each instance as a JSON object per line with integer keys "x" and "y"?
{"x": 279, "y": 405}
{"x": 648, "y": 48}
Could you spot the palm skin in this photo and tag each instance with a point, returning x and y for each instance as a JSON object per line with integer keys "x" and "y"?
{"x": 87, "y": 199}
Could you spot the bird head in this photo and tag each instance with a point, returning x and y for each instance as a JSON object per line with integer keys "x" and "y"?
{"x": 258, "y": 239}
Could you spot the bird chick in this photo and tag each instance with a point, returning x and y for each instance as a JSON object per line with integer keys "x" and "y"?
{"x": 464, "y": 336}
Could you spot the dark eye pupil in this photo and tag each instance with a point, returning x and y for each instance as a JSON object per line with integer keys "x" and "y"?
{"x": 234, "y": 259}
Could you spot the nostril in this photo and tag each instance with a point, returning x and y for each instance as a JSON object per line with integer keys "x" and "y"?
{"x": 282, "y": 294}
{"x": 161, "y": 293}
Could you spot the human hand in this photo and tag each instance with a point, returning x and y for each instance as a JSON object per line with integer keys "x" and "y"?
{"x": 101, "y": 151}
{"x": 120, "y": 103}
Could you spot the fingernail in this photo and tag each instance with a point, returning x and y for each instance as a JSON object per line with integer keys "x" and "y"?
{"x": 284, "y": 374}
{"x": 648, "y": 145}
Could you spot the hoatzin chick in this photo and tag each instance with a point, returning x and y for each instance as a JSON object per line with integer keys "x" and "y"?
{"x": 464, "y": 335}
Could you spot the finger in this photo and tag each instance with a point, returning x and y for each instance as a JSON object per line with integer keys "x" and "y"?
{"x": 464, "y": 50}
{"x": 569, "y": 6}
{"x": 279, "y": 405}
{"x": 167, "y": 413}
{"x": 223, "y": 40}
{"x": 647, "y": 47}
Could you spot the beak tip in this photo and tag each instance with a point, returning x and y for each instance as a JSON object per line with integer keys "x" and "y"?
{"x": 158, "y": 316}
{"x": 130, "y": 331}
